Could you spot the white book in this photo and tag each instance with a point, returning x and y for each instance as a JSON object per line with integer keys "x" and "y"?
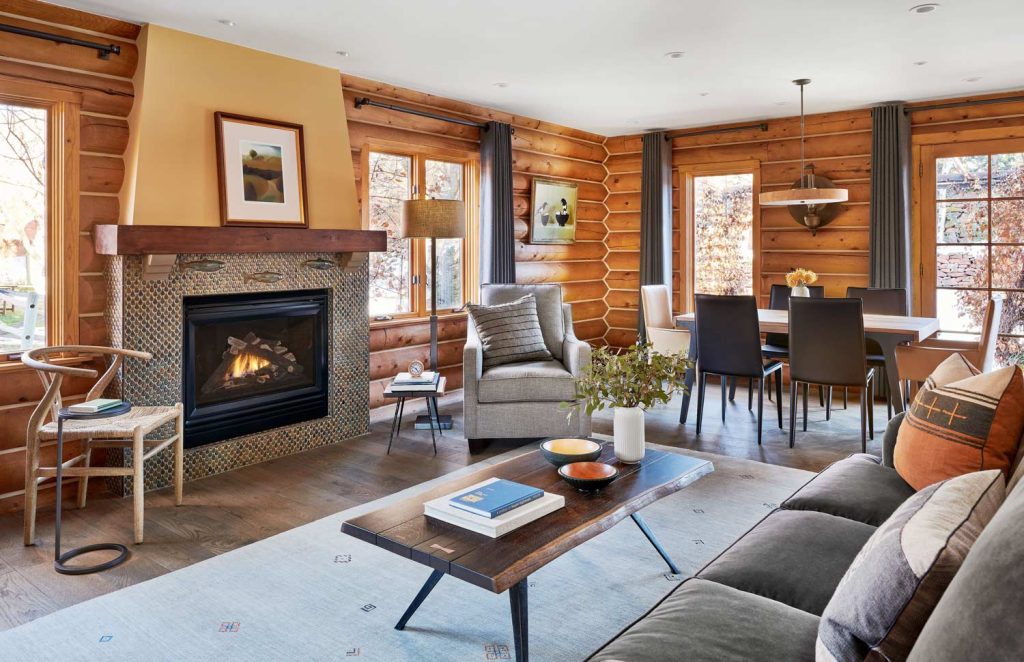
{"x": 94, "y": 406}
{"x": 428, "y": 377}
{"x": 498, "y": 526}
{"x": 432, "y": 386}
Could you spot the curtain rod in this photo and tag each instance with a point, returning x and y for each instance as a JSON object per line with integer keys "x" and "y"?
{"x": 102, "y": 50}
{"x": 681, "y": 133}
{"x": 961, "y": 104}
{"x": 365, "y": 101}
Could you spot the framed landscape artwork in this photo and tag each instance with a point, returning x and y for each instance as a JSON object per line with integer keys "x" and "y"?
{"x": 262, "y": 172}
{"x": 552, "y": 212}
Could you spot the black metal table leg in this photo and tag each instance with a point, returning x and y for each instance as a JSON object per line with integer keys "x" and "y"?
{"x": 432, "y": 403}
{"x": 654, "y": 541}
{"x": 428, "y": 586}
{"x": 520, "y": 619}
{"x": 396, "y": 422}
{"x": 690, "y": 372}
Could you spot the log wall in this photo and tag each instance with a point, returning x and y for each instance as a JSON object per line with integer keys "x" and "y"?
{"x": 538, "y": 149}
{"x": 107, "y": 95}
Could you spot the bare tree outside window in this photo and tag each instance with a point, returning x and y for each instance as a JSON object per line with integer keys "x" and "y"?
{"x": 23, "y": 228}
{"x": 723, "y": 227}
{"x": 390, "y": 183}
{"x": 444, "y": 182}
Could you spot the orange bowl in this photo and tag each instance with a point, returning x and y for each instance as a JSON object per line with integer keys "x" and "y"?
{"x": 588, "y": 476}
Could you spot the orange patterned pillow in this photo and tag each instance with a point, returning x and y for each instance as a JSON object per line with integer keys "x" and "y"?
{"x": 958, "y": 427}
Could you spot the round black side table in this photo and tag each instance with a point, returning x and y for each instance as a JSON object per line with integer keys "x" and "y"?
{"x": 59, "y": 559}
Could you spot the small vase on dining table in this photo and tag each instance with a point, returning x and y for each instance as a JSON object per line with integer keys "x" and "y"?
{"x": 799, "y": 291}
{"x": 628, "y": 434}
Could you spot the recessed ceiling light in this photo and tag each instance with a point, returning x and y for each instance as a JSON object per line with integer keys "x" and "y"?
{"x": 227, "y": 21}
{"x": 675, "y": 55}
{"x": 342, "y": 53}
{"x": 926, "y": 8}
{"x": 704, "y": 94}
{"x": 920, "y": 63}
{"x": 972, "y": 79}
{"x": 501, "y": 84}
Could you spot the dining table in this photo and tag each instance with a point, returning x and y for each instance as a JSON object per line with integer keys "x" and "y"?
{"x": 889, "y": 331}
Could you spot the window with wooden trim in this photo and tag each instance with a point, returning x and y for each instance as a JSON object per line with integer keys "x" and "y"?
{"x": 400, "y": 277}
{"x": 720, "y": 229}
{"x": 973, "y": 239}
{"x": 38, "y": 217}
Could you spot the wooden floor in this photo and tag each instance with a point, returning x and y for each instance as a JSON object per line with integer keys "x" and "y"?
{"x": 230, "y": 510}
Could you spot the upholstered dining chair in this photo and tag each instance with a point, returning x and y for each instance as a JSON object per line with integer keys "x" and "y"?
{"x": 776, "y": 345}
{"x": 916, "y": 362}
{"x": 880, "y": 301}
{"x": 128, "y": 430}
{"x": 729, "y": 345}
{"x": 661, "y": 328}
{"x": 826, "y": 339}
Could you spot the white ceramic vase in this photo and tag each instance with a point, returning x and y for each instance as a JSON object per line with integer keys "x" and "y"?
{"x": 799, "y": 291}
{"x": 629, "y": 434}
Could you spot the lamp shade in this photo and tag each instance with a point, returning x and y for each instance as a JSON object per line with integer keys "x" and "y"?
{"x": 803, "y": 196}
{"x": 433, "y": 218}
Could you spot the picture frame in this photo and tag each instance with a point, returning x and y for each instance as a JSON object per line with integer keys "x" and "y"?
{"x": 553, "y": 212}
{"x": 261, "y": 167}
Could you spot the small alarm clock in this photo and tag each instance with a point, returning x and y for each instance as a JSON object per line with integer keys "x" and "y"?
{"x": 416, "y": 369}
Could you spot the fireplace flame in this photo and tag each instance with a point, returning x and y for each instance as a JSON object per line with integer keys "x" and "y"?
{"x": 245, "y": 365}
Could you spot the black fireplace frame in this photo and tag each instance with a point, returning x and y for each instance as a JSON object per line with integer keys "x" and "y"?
{"x": 206, "y": 424}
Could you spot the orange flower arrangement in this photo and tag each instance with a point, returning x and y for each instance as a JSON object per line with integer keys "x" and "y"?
{"x": 800, "y": 276}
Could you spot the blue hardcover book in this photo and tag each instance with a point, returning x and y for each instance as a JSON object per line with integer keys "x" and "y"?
{"x": 495, "y": 498}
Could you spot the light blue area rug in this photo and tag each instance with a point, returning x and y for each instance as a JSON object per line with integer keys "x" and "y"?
{"x": 314, "y": 593}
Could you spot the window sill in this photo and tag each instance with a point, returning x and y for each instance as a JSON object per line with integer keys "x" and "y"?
{"x": 409, "y": 321}
{"x": 17, "y": 366}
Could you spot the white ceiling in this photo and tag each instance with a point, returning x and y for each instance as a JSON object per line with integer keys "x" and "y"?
{"x": 599, "y": 65}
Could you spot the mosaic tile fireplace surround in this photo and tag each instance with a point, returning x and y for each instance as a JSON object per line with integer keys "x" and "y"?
{"x": 148, "y": 315}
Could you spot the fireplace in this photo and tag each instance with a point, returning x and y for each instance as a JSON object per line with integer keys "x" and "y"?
{"x": 253, "y": 362}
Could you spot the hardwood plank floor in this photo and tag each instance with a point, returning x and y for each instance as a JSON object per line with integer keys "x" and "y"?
{"x": 233, "y": 509}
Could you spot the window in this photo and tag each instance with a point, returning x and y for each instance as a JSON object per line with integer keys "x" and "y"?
{"x": 720, "y": 230}
{"x": 974, "y": 239}
{"x": 400, "y": 278}
{"x": 36, "y": 273}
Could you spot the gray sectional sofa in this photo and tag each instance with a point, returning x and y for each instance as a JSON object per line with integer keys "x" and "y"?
{"x": 761, "y": 598}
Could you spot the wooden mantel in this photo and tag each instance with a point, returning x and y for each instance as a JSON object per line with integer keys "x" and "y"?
{"x": 175, "y": 239}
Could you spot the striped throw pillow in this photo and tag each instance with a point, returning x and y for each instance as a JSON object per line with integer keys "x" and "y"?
{"x": 510, "y": 332}
{"x": 883, "y": 601}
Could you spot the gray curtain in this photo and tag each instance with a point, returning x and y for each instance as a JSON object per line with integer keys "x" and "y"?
{"x": 890, "y": 197}
{"x": 655, "y": 216}
{"x": 497, "y": 222}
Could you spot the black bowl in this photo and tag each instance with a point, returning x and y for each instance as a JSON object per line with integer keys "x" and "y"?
{"x": 564, "y": 451}
{"x": 588, "y": 476}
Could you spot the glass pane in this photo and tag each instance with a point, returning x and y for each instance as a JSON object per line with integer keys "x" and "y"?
{"x": 961, "y": 222}
{"x": 1008, "y": 267}
{"x": 1013, "y": 312}
{"x": 724, "y": 239}
{"x": 444, "y": 180}
{"x": 961, "y": 266}
{"x": 390, "y": 183}
{"x": 960, "y": 310}
{"x": 1008, "y": 175}
{"x": 961, "y": 177}
{"x": 1009, "y": 351}
{"x": 1008, "y": 221}
{"x": 23, "y": 228}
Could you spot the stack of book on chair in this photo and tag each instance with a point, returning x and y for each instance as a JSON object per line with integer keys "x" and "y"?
{"x": 425, "y": 382}
{"x": 94, "y": 406}
{"x": 494, "y": 507}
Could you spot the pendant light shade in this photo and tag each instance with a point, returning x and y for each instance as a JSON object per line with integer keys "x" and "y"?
{"x": 807, "y": 190}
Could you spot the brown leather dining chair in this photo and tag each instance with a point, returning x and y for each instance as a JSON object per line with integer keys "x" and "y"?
{"x": 826, "y": 339}
{"x": 729, "y": 345}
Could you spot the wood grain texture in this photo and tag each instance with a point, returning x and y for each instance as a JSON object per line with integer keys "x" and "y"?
{"x": 164, "y": 239}
{"x": 497, "y": 564}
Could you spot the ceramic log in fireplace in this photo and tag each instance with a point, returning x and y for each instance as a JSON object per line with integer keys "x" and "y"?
{"x": 253, "y": 362}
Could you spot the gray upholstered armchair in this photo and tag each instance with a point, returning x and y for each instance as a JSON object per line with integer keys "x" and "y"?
{"x": 522, "y": 399}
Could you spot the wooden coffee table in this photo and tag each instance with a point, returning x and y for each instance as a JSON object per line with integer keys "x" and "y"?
{"x": 498, "y": 564}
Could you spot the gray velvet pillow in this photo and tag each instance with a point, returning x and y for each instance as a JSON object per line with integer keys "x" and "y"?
{"x": 891, "y": 588}
{"x": 510, "y": 332}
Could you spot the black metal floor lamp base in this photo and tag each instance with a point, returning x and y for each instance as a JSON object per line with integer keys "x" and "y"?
{"x": 60, "y": 564}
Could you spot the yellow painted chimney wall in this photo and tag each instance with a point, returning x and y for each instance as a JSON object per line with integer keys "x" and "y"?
{"x": 171, "y": 160}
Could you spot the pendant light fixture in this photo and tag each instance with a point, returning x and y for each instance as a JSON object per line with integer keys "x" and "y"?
{"x": 811, "y": 191}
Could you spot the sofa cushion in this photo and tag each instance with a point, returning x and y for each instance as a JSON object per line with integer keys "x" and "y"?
{"x": 549, "y": 308}
{"x": 534, "y": 381}
{"x": 960, "y": 427}
{"x": 977, "y": 617}
{"x": 703, "y": 621}
{"x": 891, "y": 588}
{"x": 793, "y": 556}
{"x": 509, "y": 332}
{"x": 857, "y": 488}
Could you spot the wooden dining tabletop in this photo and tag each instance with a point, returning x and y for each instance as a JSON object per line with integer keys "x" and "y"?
{"x": 777, "y": 321}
